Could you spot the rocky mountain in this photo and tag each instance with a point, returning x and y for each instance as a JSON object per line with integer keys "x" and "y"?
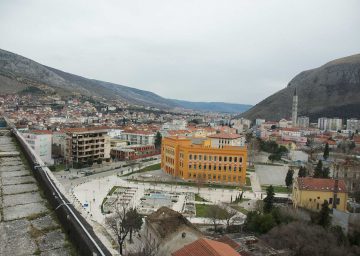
{"x": 332, "y": 90}
{"x": 18, "y": 73}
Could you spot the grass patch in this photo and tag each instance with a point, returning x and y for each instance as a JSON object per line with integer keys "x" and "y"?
{"x": 248, "y": 182}
{"x": 149, "y": 168}
{"x": 278, "y": 189}
{"x": 199, "y": 198}
{"x": 240, "y": 209}
{"x": 201, "y": 210}
{"x": 58, "y": 167}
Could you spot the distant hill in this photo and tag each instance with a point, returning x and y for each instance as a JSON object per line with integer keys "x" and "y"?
{"x": 213, "y": 106}
{"x": 22, "y": 75}
{"x": 332, "y": 90}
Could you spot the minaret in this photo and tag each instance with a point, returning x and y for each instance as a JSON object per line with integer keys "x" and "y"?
{"x": 294, "y": 109}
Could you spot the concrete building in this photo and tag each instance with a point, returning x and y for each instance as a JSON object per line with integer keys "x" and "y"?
{"x": 329, "y": 124}
{"x": 310, "y": 193}
{"x": 259, "y": 121}
{"x": 169, "y": 231}
{"x": 303, "y": 121}
{"x": 294, "y": 111}
{"x": 193, "y": 160}
{"x": 133, "y": 152}
{"x": 353, "y": 124}
{"x": 139, "y": 137}
{"x": 40, "y": 141}
{"x": 85, "y": 144}
{"x": 226, "y": 139}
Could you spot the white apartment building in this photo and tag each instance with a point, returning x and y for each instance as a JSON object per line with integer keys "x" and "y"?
{"x": 353, "y": 124}
{"x": 259, "y": 121}
{"x": 221, "y": 140}
{"x": 303, "y": 121}
{"x": 175, "y": 125}
{"x": 329, "y": 124}
{"x": 40, "y": 141}
{"x": 138, "y": 137}
{"x": 241, "y": 124}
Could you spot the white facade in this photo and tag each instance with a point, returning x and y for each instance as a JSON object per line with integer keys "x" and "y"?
{"x": 221, "y": 141}
{"x": 175, "y": 125}
{"x": 353, "y": 124}
{"x": 140, "y": 138}
{"x": 241, "y": 124}
{"x": 329, "y": 124}
{"x": 259, "y": 121}
{"x": 41, "y": 144}
{"x": 115, "y": 133}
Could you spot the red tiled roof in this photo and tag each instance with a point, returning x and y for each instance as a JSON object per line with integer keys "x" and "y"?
{"x": 206, "y": 247}
{"x": 317, "y": 184}
{"x": 224, "y": 136}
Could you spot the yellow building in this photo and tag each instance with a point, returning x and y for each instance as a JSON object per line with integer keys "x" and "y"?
{"x": 195, "y": 159}
{"x": 310, "y": 193}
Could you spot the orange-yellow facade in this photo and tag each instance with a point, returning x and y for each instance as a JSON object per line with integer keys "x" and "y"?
{"x": 181, "y": 158}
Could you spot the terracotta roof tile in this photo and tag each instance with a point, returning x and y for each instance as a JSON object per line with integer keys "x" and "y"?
{"x": 206, "y": 247}
{"x": 317, "y": 184}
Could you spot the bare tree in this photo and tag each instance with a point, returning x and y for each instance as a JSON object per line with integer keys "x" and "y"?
{"x": 118, "y": 224}
{"x": 200, "y": 181}
{"x": 228, "y": 214}
{"x": 215, "y": 214}
{"x": 146, "y": 248}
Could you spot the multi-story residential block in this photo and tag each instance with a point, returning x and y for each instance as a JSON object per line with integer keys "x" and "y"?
{"x": 85, "y": 144}
{"x": 303, "y": 121}
{"x": 139, "y": 137}
{"x": 40, "y": 141}
{"x": 353, "y": 124}
{"x": 310, "y": 193}
{"x": 191, "y": 159}
{"x": 259, "y": 121}
{"x": 329, "y": 124}
{"x": 349, "y": 171}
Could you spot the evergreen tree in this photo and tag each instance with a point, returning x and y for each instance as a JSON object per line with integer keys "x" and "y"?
{"x": 318, "y": 170}
{"x": 324, "y": 218}
{"x": 289, "y": 177}
{"x": 326, "y": 151}
{"x": 302, "y": 172}
{"x": 158, "y": 139}
{"x": 133, "y": 221}
{"x": 269, "y": 199}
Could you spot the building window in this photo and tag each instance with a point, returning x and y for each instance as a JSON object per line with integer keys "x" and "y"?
{"x": 190, "y": 166}
{"x": 199, "y": 166}
{"x": 235, "y": 159}
{"x": 200, "y": 157}
{"x": 190, "y": 157}
{"x": 225, "y": 168}
{"x": 330, "y": 200}
{"x": 210, "y": 158}
{"x": 205, "y": 157}
{"x": 230, "y": 159}
{"x": 194, "y": 157}
{"x": 205, "y": 167}
{"x": 220, "y": 158}
{"x": 240, "y": 159}
{"x": 219, "y": 167}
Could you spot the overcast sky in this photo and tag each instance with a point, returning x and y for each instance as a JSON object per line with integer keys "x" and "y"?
{"x": 232, "y": 51}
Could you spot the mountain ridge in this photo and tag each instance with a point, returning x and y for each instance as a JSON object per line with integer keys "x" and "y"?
{"x": 331, "y": 90}
{"x": 18, "y": 72}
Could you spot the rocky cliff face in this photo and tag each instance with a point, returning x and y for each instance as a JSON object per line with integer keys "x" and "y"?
{"x": 332, "y": 90}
